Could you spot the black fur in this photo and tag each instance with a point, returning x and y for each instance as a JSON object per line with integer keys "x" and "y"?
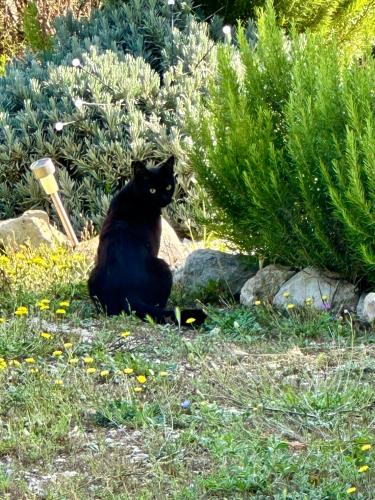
{"x": 128, "y": 275}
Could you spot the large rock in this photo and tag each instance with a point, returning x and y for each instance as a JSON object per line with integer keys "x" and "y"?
{"x": 171, "y": 248}
{"x": 366, "y": 307}
{"x": 32, "y": 228}
{"x": 323, "y": 290}
{"x": 211, "y": 267}
{"x": 265, "y": 284}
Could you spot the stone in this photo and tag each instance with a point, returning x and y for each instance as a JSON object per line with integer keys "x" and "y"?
{"x": 322, "y": 289}
{"x": 366, "y": 307}
{"x": 171, "y": 248}
{"x": 204, "y": 267}
{"x": 265, "y": 284}
{"x": 360, "y": 310}
{"x": 31, "y": 228}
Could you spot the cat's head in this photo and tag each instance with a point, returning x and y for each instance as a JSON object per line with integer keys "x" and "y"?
{"x": 155, "y": 185}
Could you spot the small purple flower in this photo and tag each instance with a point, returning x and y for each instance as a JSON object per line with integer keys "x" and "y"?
{"x": 185, "y": 405}
{"x": 326, "y": 306}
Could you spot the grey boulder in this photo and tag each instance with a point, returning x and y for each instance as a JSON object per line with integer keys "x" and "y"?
{"x": 265, "y": 284}
{"x": 31, "y": 228}
{"x": 366, "y": 307}
{"x": 320, "y": 289}
{"x": 204, "y": 267}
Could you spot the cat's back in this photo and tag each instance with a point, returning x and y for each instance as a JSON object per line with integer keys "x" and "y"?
{"x": 133, "y": 239}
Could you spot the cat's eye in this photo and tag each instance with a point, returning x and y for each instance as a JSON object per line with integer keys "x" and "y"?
{"x": 152, "y": 190}
{"x": 169, "y": 187}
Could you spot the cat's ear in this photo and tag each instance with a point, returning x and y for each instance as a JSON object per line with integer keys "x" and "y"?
{"x": 168, "y": 165}
{"x": 139, "y": 168}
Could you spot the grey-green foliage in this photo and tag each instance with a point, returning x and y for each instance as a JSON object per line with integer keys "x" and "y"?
{"x": 128, "y": 116}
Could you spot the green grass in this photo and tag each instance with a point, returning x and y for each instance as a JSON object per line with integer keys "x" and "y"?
{"x": 280, "y": 403}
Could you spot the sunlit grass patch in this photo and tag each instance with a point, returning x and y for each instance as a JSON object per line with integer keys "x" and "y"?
{"x": 41, "y": 279}
{"x": 294, "y": 326}
{"x": 234, "y": 409}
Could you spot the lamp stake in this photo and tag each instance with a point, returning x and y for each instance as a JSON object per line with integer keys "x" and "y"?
{"x": 44, "y": 171}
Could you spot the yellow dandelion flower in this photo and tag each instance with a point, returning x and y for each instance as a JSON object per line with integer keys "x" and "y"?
{"x": 363, "y": 468}
{"x": 88, "y": 360}
{"x": 257, "y": 302}
{"x": 58, "y": 381}
{"x": 138, "y": 389}
{"x": 64, "y": 303}
{"x": 45, "y": 301}
{"x": 124, "y": 334}
{"x": 2, "y": 320}
{"x": 46, "y": 336}
{"x": 21, "y": 311}
{"x": 30, "y": 360}
{"x": 309, "y": 300}
{"x": 43, "y": 307}
{"x": 57, "y": 354}
{"x": 128, "y": 371}
{"x": 33, "y": 370}
{"x": 189, "y": 321}
{"x": 163, "y": 374}
{"x": 104, "y": 373}
{"x": 14, "y": 362}
{"x": 60, "y": 311}
{"x": 142, "y": 379}
{"x": 350, "y": 490}
{"x": 290, "y": 306}
{"x": 325, "y": 297}
{"x": 39, "y": 261}
{"x": 286, "y": 294}
{"x": 366, "y": 447}
{"x": 73, "y": 361}
{"x": 3, "y": 365}
{"x": 68, "y": 345}
{"x": 90, "y": 370}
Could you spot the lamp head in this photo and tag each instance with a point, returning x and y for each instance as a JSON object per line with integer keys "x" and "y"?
{"x": 43, "y": 167}
{"x": 227, "y": 30}
{"x": 44, "y": 170}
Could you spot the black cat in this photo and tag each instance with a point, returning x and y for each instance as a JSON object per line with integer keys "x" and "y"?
{"x": 128, "y": 275}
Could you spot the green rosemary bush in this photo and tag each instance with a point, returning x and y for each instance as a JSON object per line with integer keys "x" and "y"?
{"x": 35, "y": 36}
{"x": 284, "y": 144}
{"x": 351, "y": 22}
{"x": 126, "y": 114}
{"x": 230, "y": 10}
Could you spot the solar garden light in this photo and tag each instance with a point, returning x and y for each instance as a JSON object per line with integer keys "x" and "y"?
{"x": 44, "y": 171}
{"x": 227, "y": 30}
